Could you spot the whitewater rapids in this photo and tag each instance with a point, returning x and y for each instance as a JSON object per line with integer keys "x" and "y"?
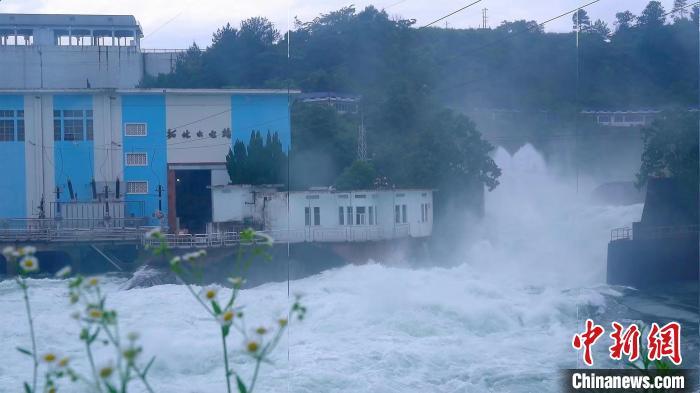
{"x": 500, "y": 322}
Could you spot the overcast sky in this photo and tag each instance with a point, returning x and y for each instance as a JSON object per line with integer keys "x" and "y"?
{"x": 177, "y": 23}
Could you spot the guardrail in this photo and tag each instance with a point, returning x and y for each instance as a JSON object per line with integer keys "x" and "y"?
{"x": 308, "y": 234}
{"x": 71, "y": 229}
{"x": 626, "y": 233}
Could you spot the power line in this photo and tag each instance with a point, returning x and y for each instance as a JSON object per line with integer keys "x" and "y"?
{"x": 451, "y": 13}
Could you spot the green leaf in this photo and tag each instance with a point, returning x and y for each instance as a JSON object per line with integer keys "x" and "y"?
{"x": 24, "y": 351}
{"x": 241, "y": 385}
{"x": 27, "y": 389}
{"x": 215, "y": 306}
{"x": 225, "y": 330}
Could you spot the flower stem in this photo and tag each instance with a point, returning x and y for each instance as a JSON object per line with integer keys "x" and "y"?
{"x": 92, "y": 366}
{"x": 23, "y": 285}
{"x": 228, "y": 371}
{"x": 142, "y": 378}
{"x": 255, "y": 374}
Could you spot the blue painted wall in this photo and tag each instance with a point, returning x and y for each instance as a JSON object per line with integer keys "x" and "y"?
{"x": 74, "y": 160}
{"x": 149, "y": 109}
{"x": 12, "y": 181}
{"x": 260, "y": 112}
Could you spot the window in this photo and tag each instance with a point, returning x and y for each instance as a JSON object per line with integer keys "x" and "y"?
{"x": 371, "y": 215}
{"x": 137, "y": 187}
{"x": 7, "y": 130}
{"x": 360, "y": 215}
{"x": 349, "y": 216}
{"x": 136, "y": 159}
{"x": 341, "y": 216}
{"x": 11, "y": 125}
{"x": 397, "y": 214}
{"x": 135, "y": 129}
{"x": 73, "y": 125}
{"x": 317, "y": 216}
{"x": 307, "y": 216}
{"x": 403, "y": 214}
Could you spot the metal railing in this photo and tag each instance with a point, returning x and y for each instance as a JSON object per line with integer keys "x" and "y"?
{"x": 621, "y": 233}
{"x": 640, "y": 232}
{"x": 306, "y": 235}
{"x": 71, "y": 230}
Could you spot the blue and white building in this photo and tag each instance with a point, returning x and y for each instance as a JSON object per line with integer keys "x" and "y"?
{"x": 87, "y": 153}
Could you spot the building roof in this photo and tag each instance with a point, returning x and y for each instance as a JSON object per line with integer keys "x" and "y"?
{"x": 150, "y": 91}
{"x": 64, "y": 20}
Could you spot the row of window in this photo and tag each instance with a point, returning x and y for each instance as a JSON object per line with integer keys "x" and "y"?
{"x": 68, "y": 125}
{"x": 73, "y": 125}
{"x": 11, "y": 125}
{"x": 364, "y": 215}
{"x": 347, "y": 215}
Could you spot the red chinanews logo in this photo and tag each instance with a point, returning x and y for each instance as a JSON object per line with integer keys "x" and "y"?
{"x": 662, "y": 342}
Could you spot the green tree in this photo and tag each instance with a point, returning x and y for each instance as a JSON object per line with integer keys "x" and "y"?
{"x": 361, "y": 175}
{"x": 236, "y": 163}
{"x": 671, "y": 149}
{"x": 624, "y": 20}
{"x": 600, "y": 28}
{"x": 680, "y": 12}
{"x": 653, "y": 15}
{"x": 581, "y": 20}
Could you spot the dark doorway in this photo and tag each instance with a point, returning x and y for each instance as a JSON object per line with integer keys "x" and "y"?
{"x": 193, "y": 199}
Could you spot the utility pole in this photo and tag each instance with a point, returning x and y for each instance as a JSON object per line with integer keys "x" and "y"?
{"x": 484, "y": 18}
{"x": 362, "y": 140}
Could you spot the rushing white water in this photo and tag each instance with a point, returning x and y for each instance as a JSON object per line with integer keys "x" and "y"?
{"x": 500, "y": 322}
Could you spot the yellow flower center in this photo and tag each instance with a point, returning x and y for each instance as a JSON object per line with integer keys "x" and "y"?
{"x": 105, "y": 372}
{"x": 252, "y": 346}
{"x": 49, "y": 357}
{"x": 63, "y": 362}
{"x": 228, "y": 316}
{"x": 95, "y": 313}
{"x": 93, "y": 281}
{"x": 211, "y": 294}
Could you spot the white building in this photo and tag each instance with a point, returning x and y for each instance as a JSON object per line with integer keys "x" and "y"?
{"x": 76, "y": 51}
{"x": 323, "y": 215}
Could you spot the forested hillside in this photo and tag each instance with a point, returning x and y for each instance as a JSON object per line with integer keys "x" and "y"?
{"x": 417, "y": 83}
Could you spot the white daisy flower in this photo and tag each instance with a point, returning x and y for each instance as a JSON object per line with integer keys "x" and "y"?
{"x": 226, "y": 318}
{"x": 208, "y": 293}
{"x": 64, "y": 272}
{"x": 29, "y": 264}
{"x": 8, "y": 252}
{"x": 175, "y": 261}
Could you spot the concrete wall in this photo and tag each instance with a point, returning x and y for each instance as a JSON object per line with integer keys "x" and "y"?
{"x": 74, "y": 161}
{"x": 34, "y": 66}
{"x": 148, "y": 109}
{"x": 12, "y": 180}
{"x": 652, "y": 262}
{"x": 200, "y": 115}
{"x": 159, "y": 62}
{"x": 261, "y": 112}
